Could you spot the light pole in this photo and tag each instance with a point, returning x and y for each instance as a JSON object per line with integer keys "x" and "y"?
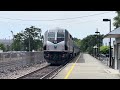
{"x": 95, "y": 49}
{"x": 13, "y": 39}
{"x": 9, "y": 44}
{"x": 98, "y": 43}
{"x": 110, "y": 55}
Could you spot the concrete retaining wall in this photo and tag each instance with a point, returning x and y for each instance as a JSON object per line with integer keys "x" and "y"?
{"x": 10, "y": 62}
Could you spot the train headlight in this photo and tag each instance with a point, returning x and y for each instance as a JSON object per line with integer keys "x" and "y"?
{"x": 63, "y": 55}
{"x": 48, "y": 55}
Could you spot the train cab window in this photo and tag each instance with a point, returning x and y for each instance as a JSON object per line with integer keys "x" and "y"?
{"x": 51, "y": 39}
{"x": 60, "y": 36}
{"x": 60, "y": 39}
{"x": 51, "y": 36}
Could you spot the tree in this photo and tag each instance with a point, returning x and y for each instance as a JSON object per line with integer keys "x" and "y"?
{"x": 32, "y": 38}
{"x": 104, "y": 49}
{"x": 7, "y": 47}
{"x": 117, "y": 20}
{"x": 77, "y": 41}
{"x": 89, "y": 42}
{"x": 2, "y": 47}
{"x": 29, "y": 39}
{"x": 18, "y": 41}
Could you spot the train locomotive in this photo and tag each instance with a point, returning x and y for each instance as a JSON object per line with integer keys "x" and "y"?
{"x": 59, "y": 46}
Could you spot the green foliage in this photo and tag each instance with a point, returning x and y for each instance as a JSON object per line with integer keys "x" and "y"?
{"x": 89, "y": 42}
{"x": 31, "y": 35}
{"x": 117, "y": 20}
{"x": 18, "y": 41}
{"x": 2, "y": 47}
{"x": 104, "y": 49}
{"x": 8, "y": 48}
{"x": 77, "y": 41}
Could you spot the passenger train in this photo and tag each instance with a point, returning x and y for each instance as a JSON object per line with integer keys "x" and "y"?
{"x": 59, "y": 46}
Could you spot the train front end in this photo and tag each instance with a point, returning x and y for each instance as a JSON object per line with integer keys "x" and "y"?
{"x": 54, "y": 46}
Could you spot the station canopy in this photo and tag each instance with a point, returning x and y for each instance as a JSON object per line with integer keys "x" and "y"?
{"x": 113, "y": 34}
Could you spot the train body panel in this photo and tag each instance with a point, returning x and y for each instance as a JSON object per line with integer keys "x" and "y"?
{"x": 55, "y": 47}
{"x": 76, "y": 50}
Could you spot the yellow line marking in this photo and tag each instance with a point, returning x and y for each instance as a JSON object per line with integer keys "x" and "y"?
{"x": 69, "y": 72}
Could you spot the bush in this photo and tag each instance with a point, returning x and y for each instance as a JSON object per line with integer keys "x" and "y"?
{"x": 104, "y": 49}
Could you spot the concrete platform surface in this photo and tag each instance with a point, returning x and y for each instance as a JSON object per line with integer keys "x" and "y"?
{"x": 87, "y": 67}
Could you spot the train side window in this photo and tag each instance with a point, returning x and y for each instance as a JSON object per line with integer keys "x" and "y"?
{"x": 70, "y": 36}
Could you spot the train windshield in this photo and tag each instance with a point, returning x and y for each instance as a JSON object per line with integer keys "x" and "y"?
{"x": 60, "y": 36}
{"x": 51, "y": 36}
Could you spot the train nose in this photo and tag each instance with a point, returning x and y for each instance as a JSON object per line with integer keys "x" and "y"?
{"x": 55, "y": 42}
{"x": 55, "y": 47}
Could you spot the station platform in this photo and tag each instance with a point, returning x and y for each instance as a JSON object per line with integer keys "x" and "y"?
{"x": 84, "y": 66}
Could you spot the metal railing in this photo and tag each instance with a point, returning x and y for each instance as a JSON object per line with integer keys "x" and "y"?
{"x": 105, "y": 59}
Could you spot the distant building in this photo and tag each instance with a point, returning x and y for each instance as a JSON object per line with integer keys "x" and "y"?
{"x": 6, "y": 42}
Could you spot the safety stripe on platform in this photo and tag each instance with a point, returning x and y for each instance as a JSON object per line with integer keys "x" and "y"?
{"x": 71, "y": 69}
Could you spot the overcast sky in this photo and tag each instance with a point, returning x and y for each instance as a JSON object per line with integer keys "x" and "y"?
{"x": 78, "y": 27}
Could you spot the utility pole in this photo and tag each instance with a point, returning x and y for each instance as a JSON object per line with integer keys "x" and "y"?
{"x": 110, "y": 47}
{"x": 28, "y": 29}
{"x": 98, "y": 44}
{"x": 29, "y": 39}
{"x": 13, "y": 39}
{"x": 9, "y": 44}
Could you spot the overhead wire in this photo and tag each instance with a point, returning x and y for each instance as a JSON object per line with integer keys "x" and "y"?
{"x": 57, "y": 19}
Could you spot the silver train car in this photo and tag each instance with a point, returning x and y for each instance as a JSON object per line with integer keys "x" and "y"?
{"x": 76, "y": 50}
{"x": 58, "y": 46}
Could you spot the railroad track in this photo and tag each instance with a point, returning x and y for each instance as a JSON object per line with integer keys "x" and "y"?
{"x": 47, "y": 72}
{"x": 40, "y": 73}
